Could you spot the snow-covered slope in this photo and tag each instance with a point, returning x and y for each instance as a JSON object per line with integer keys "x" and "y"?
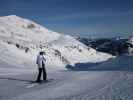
{"x": 20, "y": 41}
{"x": 130, "y": 40}
{"x": 23, "y": 29}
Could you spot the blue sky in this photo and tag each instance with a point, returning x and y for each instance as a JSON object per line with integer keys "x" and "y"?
{"x": 84, "y": 17}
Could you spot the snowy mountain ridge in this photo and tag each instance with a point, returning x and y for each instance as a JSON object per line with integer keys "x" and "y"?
{"x": 20, "y": 40}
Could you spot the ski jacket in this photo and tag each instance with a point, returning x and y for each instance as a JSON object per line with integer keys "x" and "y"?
{"x": 40, "y": 60}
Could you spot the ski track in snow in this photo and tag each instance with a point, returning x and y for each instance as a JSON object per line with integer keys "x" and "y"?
{"x": 118, "y": 88}
{"x": 86, "y": 85}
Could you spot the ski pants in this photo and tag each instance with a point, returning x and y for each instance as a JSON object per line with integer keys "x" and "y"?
{"x": 41, "y": 71}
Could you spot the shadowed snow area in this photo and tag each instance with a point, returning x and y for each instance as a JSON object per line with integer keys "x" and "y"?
{"x": 75, "y": 72}
{"x": 121, "y": 63}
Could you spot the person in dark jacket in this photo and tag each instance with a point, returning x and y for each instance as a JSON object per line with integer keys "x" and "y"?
{"x": 40, "y": 61}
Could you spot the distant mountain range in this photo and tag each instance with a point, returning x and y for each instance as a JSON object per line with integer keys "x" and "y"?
{"x": 114, "y": 46}
{"x": 103, "y": 35}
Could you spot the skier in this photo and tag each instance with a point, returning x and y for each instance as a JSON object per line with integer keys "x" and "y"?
{"x": 40, "y": 61}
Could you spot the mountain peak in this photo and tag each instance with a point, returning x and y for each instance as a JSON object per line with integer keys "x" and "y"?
{"x": 11, "y": 17}
{"x": 22, "y": 28}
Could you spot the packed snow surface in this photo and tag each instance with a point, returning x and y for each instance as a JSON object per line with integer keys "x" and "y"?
{"x": 69, "y": 85}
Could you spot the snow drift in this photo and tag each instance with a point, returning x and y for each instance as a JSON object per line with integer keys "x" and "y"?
{"x": 21, "y": 39}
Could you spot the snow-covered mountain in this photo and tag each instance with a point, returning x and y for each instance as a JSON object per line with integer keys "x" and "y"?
{"x": 21, "y": 39}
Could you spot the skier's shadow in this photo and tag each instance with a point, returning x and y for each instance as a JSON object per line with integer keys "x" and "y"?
{"x": 16, "y": 79}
